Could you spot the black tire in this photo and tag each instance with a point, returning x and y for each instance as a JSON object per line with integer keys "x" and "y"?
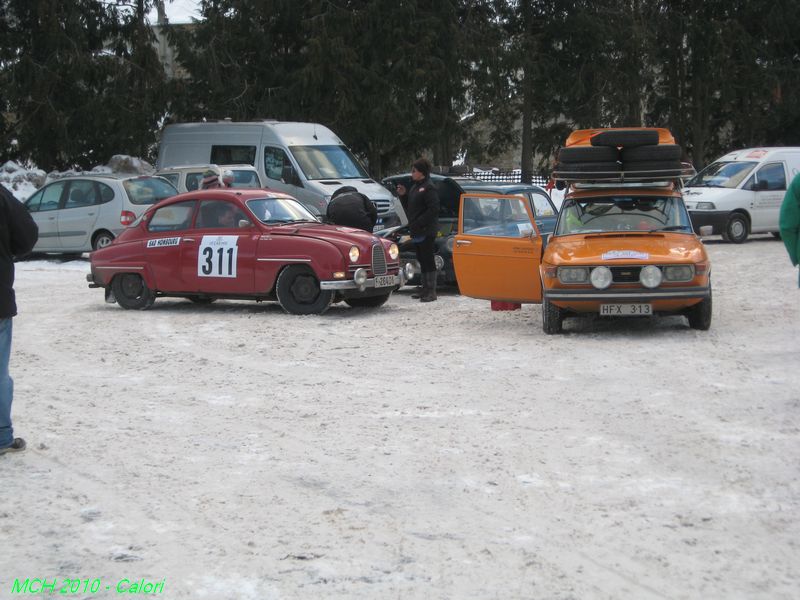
{"x": 132, "y": 292}
{"x": 299, "y": 293}
{"x": 664, "y": 168}
{"x": 699, "y": 315}
{"x": 652, "y": 153}
{"x": 627, "y": 138}
{"x": 369, "y": 302}
{"x": 552, "y": 317}
{"x": 584, "y": 154}
{"x": 776, "y": 235}
{"x": 598, "y": 170}
{"x": 201, "y": 299}
{"x": 102, "y": 239}
{"x": 736, "y": 229}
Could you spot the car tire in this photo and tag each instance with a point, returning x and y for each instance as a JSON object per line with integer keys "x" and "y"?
{"x": 699, "y": 315}
{"x": 132, "y": 292}
{"x": 552, "y": 317}
{"x": 736, "y": 229}
{"x": 581, "y": 154}
{"x": 201, "y": 299}
{"x": 299, "y": 292}
{"x": 649, "y": 168}
{"x": 369, "y": 302}
{"x": 776, "y": 235}
{"x": 595, "y": 170}
{"x": 102, "y": 239}
{"x": 664, "y": 152}
{"x": 626, "y": 138}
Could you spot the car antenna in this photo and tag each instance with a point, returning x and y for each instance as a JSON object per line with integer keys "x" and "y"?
{"x": 315, "y": 132}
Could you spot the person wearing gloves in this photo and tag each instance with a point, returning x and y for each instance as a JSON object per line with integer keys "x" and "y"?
{"x": 350, "y": 208}
{"x": 789, "y": 221}
{"x": 422, "y": 202}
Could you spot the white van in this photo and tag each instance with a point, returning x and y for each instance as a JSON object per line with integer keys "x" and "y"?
{"x": 741, "y": 193}
{"x": 306, "y": 160}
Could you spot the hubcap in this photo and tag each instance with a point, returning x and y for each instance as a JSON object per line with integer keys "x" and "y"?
{"x": 132, "y": 286}
{"x": 103, "y": 241}
{"x": 737, "y": 229}
{"x": 305, "y": 289}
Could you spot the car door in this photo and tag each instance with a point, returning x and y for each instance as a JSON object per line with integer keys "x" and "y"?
{"x": 79, "y": 214}
{"x": 168, "y": 228}
{"x": 43, "y": 206}
{"x": 498, "y": 249}
{"x": 217, "y": 256}
{"x": 768, "y": 185}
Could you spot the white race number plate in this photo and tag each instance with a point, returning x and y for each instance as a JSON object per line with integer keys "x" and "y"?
{"x": 626, "y": 310}
{"x": 384, "y": 280}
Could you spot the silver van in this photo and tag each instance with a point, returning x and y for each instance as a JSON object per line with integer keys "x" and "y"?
{"x": 85, "y": 212}
{"x": 306, "y": 160}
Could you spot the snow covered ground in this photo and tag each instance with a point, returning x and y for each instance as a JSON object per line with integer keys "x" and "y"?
{"x": 415, "y": 451}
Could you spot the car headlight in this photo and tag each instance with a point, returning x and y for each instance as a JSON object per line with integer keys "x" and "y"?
{"x": 679, "y": 273}
{"x": 601, "y": 277}
{"x": 450, "y": 243}
{"x": 705, "y": 206}
{"x": 573, "y": 274}
{"x": 354, "y": 253}
{"x": 360, "y": 277}
{"x": 650, "y": 276}
{"x": 439, "y": 262}
{"x": 394, "y": 251}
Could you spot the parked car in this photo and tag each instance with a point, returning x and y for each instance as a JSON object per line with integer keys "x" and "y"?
{"x": 623, "y": 244}
{"x": 450, "y": 190}
{"x": 246, "y": 244}
{"x": 189, "y": 178}
{"x": 86, "y": 212}
{"x": 741, "y": 192}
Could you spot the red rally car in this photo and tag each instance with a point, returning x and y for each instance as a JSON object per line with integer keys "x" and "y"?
{"x": 245, "y": 244}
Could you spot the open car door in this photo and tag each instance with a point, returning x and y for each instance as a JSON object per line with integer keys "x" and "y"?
{"x": 498, "y": 249}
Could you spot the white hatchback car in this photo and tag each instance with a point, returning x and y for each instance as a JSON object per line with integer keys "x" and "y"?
{"x": 85, "y": 212}
{"x": 187, "y": 178}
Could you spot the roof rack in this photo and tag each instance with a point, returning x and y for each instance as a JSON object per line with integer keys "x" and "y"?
{"x": 563, "y": 173}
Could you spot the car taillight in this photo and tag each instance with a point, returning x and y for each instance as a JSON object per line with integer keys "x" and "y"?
{"x": 126, "y": 217}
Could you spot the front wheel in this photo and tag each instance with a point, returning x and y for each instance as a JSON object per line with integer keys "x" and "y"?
{"x": 736, "y": 229}
{"x": 299, "y": 292}
{"x": 131, "y": 292}
{"x": 552, "y": 317}
{"x": 699, "y": 315}
{"x": 370, "y": 302}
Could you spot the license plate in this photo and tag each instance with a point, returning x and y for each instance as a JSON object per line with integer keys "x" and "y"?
{"x": 626, "y": 310}
{"x": 384, "y": 280}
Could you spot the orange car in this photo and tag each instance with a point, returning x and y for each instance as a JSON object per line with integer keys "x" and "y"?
{"x": 623, "y": 244}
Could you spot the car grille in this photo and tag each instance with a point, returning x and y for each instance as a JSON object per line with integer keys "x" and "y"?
{"x": 378, "y": 260}
{"x": 625, "y": 274}
{"x": 383, "y": 206}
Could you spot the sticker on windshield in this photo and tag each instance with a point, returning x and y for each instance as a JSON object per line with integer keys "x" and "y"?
{"x": 617, "y": 254}
{"x": 159, "y": 242}
{"x": 217, "y": 256}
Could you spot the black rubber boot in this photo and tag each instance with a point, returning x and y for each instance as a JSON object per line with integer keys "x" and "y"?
{"x": 430, "y": 296}
{"x": 422, "y": 290}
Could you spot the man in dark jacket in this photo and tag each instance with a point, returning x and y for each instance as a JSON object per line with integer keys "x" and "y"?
{"x": 422, "y": 202}
{"x": 18, "y": 234}
{"x": 350, "y": 208}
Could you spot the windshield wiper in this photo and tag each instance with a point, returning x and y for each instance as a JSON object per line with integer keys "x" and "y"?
{"x": 669, "y": 228}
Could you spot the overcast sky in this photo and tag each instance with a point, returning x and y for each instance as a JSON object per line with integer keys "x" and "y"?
{"x": 179, "y": 11}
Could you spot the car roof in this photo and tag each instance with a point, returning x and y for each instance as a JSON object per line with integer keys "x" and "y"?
{"x": 204, "y": 166}
{"x": 500, "y": 187}
{"x": 112, "y": 176}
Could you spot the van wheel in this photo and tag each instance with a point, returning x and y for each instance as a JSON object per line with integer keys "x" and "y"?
{"x": 699, "y": 315}
{"x": 736, "y": 229}
{"x": 299, "y": 293}
{"x": 102, "y": 239}
{"x": 132, "y": 292}
{"x": 776, "y": 234}
{"x": 552, "y": 317}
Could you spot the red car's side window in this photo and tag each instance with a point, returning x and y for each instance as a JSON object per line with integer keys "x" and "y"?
{"x": 173, "y": 217}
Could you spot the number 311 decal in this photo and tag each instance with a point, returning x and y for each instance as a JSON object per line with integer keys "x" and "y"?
{"x": 217, "y": 255}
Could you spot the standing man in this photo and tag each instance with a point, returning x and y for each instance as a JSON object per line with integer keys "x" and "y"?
{"x": 18, "y": 234}
{"x": 422, "y": 201}
{"x": 790, "y": 221}
{"x": 350, "y": 208}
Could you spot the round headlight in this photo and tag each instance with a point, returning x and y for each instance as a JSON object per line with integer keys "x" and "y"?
{"x": 394, "y": 251}
{"x": 601, "y": 277}
{"x": 360, "y": 276}
{"x": 439, "y": 261}
{"x": 354, "y": 253}
{"x": 650, "y": 276}
{"x": 411, "y": 268}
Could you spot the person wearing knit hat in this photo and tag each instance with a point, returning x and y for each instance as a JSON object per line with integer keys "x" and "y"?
{"x": 210, "y": 180}
{"x": 422, "y": 201}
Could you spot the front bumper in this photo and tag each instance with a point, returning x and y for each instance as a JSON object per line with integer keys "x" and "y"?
{"x": 349, "y": 284}
{"x": 717, "y": 219}
{"x": 627, "y": 295}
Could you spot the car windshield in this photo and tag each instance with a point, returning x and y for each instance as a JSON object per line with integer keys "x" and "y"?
{"x": 328, "y": 162}
{"x": 148, "y": 190}
{"x": 623, "y": 213}
{"x": 279, "y": 210}
{"x": 722, "y": 174}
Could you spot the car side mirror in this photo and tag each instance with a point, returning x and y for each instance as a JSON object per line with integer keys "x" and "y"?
{"x": 706, "y": 230}
{"x": 243, "y": 223}
{"x": 288, "y": 175}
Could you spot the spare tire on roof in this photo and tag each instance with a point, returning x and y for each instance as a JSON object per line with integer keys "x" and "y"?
{"x": 626, "y": 138}
{"x": 652, "y": 169}
{"x": 580, "y": 154}
{"x": 652, "y": 153}
{"x": 589, "y": 170}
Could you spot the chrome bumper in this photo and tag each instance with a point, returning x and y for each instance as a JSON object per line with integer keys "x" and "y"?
{"x": 397, "y": 281}
{"x": 639, "y": 295}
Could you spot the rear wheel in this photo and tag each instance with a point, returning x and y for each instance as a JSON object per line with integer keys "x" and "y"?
{"x": 299, "y": 292}
{"x": 736, "y": 229}
{"x": 370, "y": 302}
{"x": 699, "y": 315}
{"x": 102, "y": 239}
{"x": 552, "y": 317}
{"x": 131, "y": 292}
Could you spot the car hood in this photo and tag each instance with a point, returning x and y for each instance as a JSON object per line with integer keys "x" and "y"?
{"x": 334, "y": 234}
{"x": 624, "y": 248}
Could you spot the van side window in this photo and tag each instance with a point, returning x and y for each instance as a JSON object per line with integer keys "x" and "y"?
{"x": 233, "y": 155}
{"x": 770, "y": 177}
{"x": 173, "y": 217}
{"x": 274, "y": 160}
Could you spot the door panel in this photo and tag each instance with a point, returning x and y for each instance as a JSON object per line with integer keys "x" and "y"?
{"x": 43, "y": 206}
{"x": 498, "y": 249}
{"x": 79, "y": 214}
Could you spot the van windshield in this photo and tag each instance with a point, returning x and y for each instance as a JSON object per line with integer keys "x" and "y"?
{"x": 722, "y": 174}
{"x": 328, "y": 162}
